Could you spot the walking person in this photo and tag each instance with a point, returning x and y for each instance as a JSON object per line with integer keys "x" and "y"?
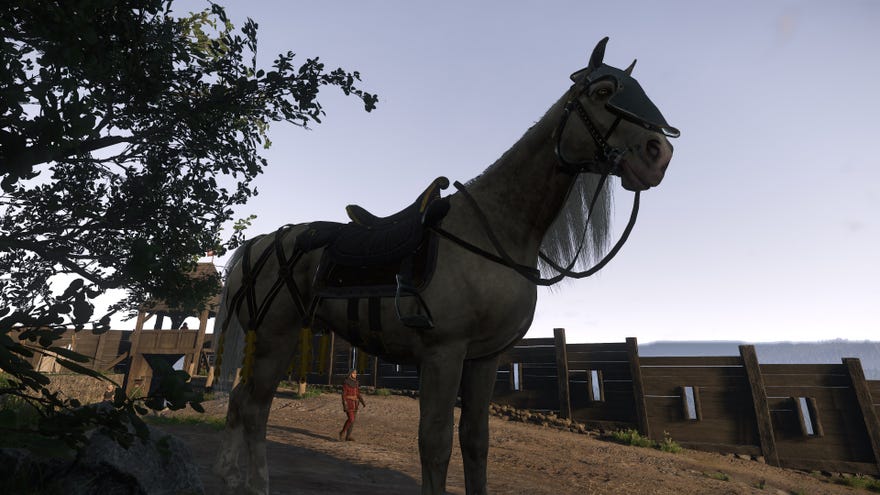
{"x": 351, "y": 395}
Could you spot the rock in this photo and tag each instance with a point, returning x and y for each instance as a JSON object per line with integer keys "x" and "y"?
{"x": 744, "y": 457}
{"x": 761, "y": 459}
{"x": 163, "y": 466}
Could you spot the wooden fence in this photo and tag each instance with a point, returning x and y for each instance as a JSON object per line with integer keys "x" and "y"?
{"x": 807, "y": 416}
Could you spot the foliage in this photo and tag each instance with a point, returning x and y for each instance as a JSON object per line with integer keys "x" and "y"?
{"x": 127, "y": 136}
{"x": 632, "y": 437}
{"x": 718, "y": 476}
{"x": 382, "y": 392}
{"x": 860, "y": 482}
{"x": 668, "y": 444}
{"x": 214, "y": 422}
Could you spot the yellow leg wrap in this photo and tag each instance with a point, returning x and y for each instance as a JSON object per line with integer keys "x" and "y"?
{"x": 250, "y": 347}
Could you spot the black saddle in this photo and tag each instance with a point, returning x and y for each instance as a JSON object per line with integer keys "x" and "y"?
{"x": 371, "y": 240}
{"x": 372, "y": 256}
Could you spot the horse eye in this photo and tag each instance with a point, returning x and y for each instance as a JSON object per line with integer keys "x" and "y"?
{"x": 603, "y": 92}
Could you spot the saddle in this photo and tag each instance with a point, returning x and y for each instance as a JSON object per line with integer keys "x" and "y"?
{"x": 373, "y": 256}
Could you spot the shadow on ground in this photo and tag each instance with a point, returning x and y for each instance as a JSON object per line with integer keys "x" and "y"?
{"x": 295, "y": 469}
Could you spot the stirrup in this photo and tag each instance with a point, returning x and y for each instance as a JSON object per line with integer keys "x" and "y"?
{"x": 420, "y": 321}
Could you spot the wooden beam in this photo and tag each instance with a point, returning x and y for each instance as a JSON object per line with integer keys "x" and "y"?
{"x": 99, "y": 351}
{"x": 332, "y": 347}
{"x": 200, "y": 341}
{"x": 866, "y": 404}
{"x": 116, "y": 361}
{"x": 759, "y": 401}
{"x": 133, "y": 351}
{"x": 375, "y": 372}
{"x": 638, "y": 385}
{"x": 561, "y": 373}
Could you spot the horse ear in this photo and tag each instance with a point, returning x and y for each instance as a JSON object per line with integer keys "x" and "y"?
{"x": 629, "y": 70}
{"x": 598, "y": 53}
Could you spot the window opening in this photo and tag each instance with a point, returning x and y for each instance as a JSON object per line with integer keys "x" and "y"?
{"x": 596, "y": 387}
{"x": 516, "y": 370}
{"x": 690, "y": 404}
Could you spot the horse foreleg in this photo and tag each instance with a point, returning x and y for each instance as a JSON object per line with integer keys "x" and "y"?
{"x": 477, "y": 384}
{"x": 438, "y": 387}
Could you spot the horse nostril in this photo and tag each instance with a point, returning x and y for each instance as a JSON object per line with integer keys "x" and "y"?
{"x": 654, "y": 149}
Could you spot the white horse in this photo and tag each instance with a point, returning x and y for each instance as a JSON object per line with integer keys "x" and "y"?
{"x": 478, "y": 302}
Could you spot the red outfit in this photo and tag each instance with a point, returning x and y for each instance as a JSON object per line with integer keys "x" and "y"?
{"x": 351, "y": 395}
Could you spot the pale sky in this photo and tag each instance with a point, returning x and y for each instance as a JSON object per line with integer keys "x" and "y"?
{"x": 765, "y": 228}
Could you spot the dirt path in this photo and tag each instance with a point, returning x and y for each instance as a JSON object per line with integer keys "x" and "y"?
{"x": 305, "y": 457}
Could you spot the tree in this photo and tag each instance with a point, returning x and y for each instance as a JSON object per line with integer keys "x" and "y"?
{"x": 127, "y": 136}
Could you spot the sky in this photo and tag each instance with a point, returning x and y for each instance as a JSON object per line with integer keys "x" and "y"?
{"x": 766, "y": 225}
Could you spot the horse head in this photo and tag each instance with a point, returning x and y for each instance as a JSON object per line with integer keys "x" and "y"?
{"x": 628, "y": 133}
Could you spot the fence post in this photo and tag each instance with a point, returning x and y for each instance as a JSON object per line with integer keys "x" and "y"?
{"x": 99, "y": 352}
{"x": 332, "y": 347}
{"x": 562, "y": 372}
{"x": 759, "y": 401}
{"x": 375, "y": 372}
{"x": 638, "y": 384}
{"x": 866, "y": 404}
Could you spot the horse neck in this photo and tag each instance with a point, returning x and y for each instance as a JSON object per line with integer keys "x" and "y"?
{"x": 522, "y": 193}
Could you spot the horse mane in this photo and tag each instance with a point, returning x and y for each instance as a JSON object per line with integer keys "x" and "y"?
{"x": 562, "y": 239}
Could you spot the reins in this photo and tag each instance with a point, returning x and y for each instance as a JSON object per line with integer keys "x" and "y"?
{"x": 604, "y": 154}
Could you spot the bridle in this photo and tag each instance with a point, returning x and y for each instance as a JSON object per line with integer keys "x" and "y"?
{"x": 606, "y": 160}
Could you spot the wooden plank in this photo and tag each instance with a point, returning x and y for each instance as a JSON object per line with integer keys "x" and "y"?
{"x": 721, "y": 448}
{"x": 562, "y": 373}
{"x": 665, "y": 385}
{"x": 695, "y": 371}
{"x": 597, "y": 357}
{"x": 866, "y": 404}
{"x": 830, "y": 466}
{"x": 544, "y": 341}
{"x": 802, "y": 369}
{"x": 616, "y": 371}
{"x": 638, "y": 386}
{"x": 600, "y": 347}
{"x": 688, "y": 361}
{"x": 759, "y": 401}
{"x": 874, "y": 390}
{"x": 807, "y": 381}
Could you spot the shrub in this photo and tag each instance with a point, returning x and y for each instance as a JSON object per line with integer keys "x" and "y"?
{"x": 668, "y": 444}
{"x": 632, "y": 437}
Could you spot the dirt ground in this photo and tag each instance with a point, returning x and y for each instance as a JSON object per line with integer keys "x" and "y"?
{"x": 305, "y": 457}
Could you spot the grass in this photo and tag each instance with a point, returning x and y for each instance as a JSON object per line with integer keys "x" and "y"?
{"x": 382, "y": 392}
{"x": 294, "y": 387}
{"x": 861, "y": 483}
{"x": 718, "y": 476}
{"x": 633, "y": 437}
{"x": 668, "y": 444}
{"x": 214, "y": 422}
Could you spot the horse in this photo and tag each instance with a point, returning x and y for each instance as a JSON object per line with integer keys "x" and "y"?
{"x": 467, "y": 298}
